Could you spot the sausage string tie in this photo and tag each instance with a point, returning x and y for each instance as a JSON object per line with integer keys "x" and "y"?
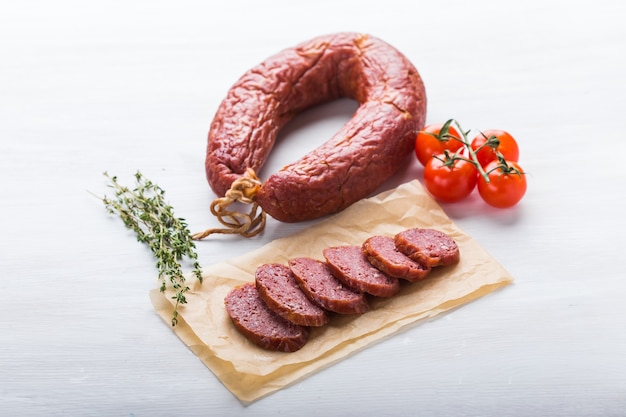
{"x": 243, "y": 190}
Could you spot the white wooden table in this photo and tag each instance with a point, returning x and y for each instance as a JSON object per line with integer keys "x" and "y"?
{"x": 120, "y": 86}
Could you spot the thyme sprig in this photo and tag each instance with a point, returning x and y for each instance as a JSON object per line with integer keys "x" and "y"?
{"x": 144, "y": 210}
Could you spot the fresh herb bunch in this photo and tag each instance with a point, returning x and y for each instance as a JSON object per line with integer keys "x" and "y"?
{"x": 145, "y": 211}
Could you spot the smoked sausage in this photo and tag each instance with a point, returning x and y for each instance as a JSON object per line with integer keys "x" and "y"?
{"x": 364, "y": 153}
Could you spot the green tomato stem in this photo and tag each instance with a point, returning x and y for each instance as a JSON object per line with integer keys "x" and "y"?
{"x": 465, "y": 141}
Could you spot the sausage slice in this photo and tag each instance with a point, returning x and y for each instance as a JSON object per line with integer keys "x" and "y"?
{"x": 351, "y": 267}
{"x": 381, "y": 252}
{"x": 261, "y": 325}
{"x": 428, "y": 246}
{"x": 278, "y": 288}
{"x": 322, "y": 287}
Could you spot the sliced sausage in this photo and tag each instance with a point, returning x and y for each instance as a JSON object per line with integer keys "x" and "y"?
{"x": 381, "y": 252}
{"x": 261, "y": 325}
{"x": 428, "y": 246}
{"x": 351, "y": 267}
{"x": 322, "y": 287}
{"x": 356, "y": 160}
{"x": 278, "y": 288}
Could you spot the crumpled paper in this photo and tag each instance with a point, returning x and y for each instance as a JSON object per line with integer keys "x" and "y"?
{"x": 250, "y": 372}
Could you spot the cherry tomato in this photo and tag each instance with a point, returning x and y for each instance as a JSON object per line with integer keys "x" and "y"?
{"x": 427, "y": 145}
{"x": 448, "y": 181}
{"x": 506, "y": 145}
{"x": 505, "y": 188}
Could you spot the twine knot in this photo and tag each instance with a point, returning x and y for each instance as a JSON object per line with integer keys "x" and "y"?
{"x": 242, "y": 190}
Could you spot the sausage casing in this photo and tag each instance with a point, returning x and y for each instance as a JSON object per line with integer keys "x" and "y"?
{"x": 364, "y": 153}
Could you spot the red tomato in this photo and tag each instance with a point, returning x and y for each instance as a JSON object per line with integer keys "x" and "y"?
{"x": 505, "y": 188}
{"x": 426, "y": 145}
{"x": 450, "y": 182}
{"x": 506, "y": 145}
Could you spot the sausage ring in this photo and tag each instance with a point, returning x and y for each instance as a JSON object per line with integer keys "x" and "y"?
{"x": 365, "y": 152}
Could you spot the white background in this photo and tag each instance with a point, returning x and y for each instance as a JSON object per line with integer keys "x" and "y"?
{"x": 120, "y": 86}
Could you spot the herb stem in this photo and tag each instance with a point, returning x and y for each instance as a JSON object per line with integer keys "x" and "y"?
{"x": 145, "y": 211}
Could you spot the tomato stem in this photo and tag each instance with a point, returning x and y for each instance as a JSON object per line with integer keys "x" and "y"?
{"x": 505, "y": 167}
{"x": 492, "y": 141}
{"x": 466, "y": 143}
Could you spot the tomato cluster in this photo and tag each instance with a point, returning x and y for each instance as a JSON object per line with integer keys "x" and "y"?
{"x": 454, "y": 166}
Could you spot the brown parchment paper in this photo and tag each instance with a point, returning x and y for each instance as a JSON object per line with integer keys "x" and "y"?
{"x": 250, "y": 372}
